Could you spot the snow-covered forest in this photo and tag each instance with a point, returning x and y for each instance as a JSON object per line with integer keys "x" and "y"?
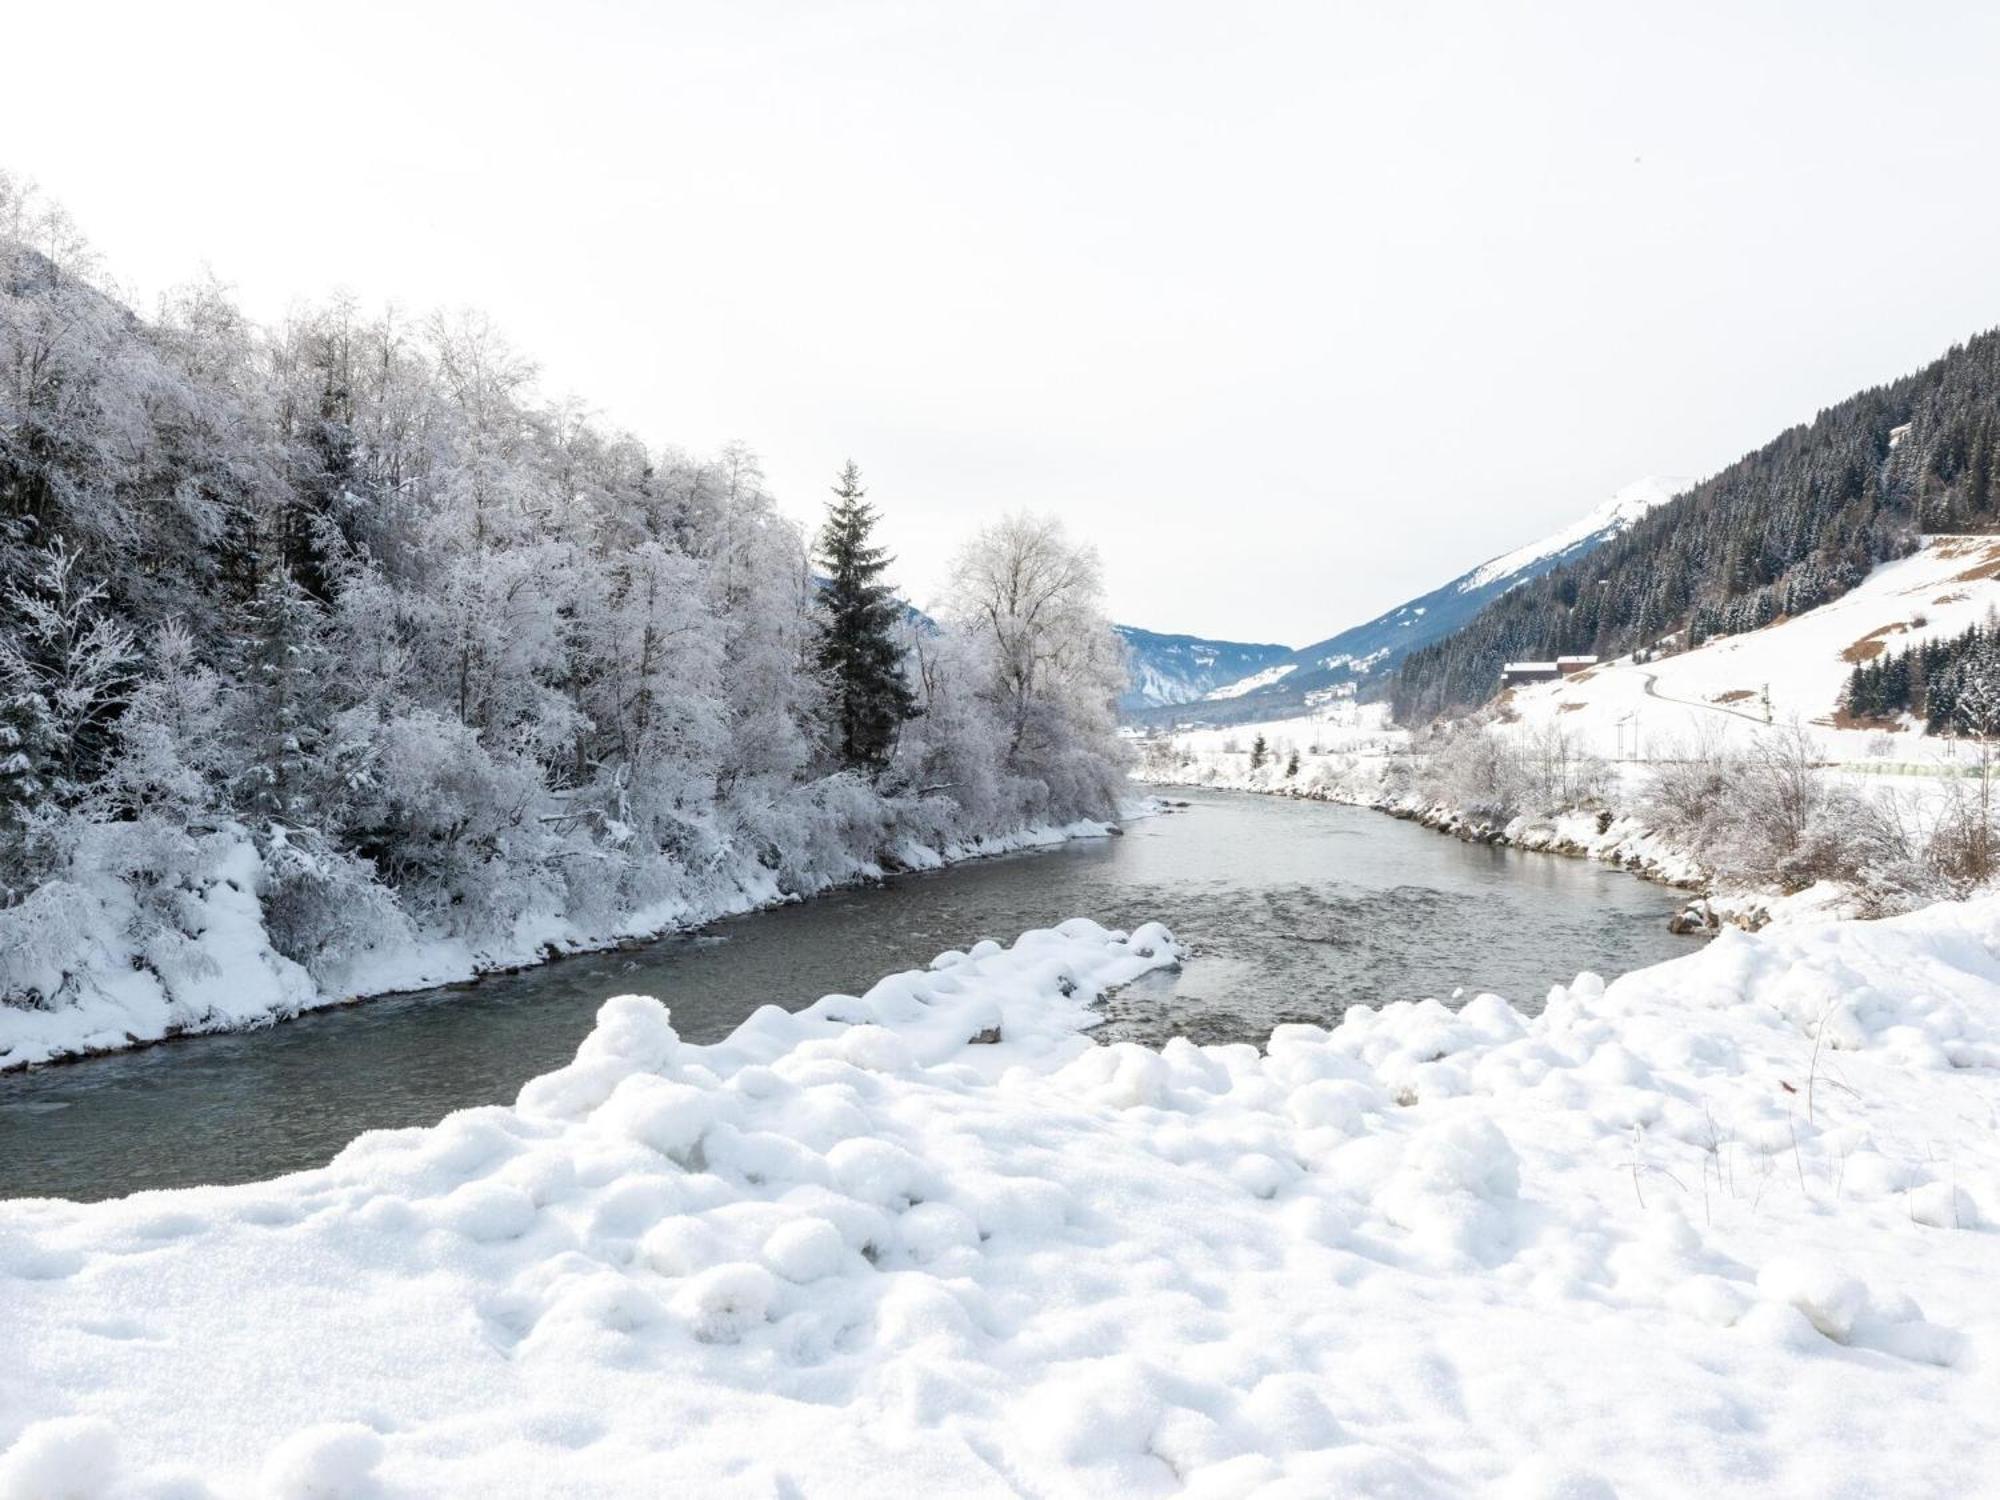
{"x": 336, "y": 656}
{"x": 1789, "y": 527}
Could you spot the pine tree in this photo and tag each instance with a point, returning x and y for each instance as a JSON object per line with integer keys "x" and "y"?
{"x": 1258, "y": 750}
{"x": 283, "y": 668}
{"x": 857, "y": 646}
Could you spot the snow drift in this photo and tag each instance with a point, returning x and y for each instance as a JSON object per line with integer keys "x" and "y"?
{"x": 1726, "y": 1224}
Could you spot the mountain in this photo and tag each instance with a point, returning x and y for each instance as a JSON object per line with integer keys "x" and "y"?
{"x": 1173, "y": 669}
{"x": 1367, "y": 653}
{"x": 1785, "y": 529}
{"x": 1843, "y": 670}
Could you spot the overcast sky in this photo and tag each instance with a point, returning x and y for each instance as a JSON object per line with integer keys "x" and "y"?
{"x": 1295, "y": 310}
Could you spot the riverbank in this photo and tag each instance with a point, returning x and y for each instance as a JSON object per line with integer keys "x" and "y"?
{"x": 227, "y": 975}
{"x": 1292, "y": 912}
{"x": 1722, "y": 1225}
{"x": 1620, "y": 840}
{"x": 1365, "y": 776}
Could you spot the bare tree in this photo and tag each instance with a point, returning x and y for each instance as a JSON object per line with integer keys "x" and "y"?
{"x": 1978, "y": 714}
{"x": 1038, "y": 599}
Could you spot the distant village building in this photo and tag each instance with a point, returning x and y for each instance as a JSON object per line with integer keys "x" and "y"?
{"x": 1520, "y": 673}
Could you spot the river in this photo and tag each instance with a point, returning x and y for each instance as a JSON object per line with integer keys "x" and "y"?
{"x": 1295, "y": 910}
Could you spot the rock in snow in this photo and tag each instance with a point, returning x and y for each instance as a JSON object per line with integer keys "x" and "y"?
{"x": 1665, "y": 1237}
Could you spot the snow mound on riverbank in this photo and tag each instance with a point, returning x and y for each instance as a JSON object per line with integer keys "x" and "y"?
{"x": 1725, "y": 1224}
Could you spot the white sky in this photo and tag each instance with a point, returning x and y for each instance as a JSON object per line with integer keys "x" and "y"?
{"x": 1295, "y": 309}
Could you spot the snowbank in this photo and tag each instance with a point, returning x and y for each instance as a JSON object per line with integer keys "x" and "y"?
{"x": 1727, "y": 1224}
{"x": 114, "y": 991}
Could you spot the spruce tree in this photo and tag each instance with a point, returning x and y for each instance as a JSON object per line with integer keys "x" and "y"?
{"x": 857, "y": 643}
{"x": 282, "y": 663}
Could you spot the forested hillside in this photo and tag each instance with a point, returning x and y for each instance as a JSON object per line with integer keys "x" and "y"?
{"x": 1951, "y": 684}
{"x": 346, "y": 613}
{"x": 1788, "y": 527}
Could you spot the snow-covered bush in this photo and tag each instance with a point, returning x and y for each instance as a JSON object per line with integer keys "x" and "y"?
{"x": 1493, "y": 775}
{"x": 1772, "y": 817}
{"x": 43, "y": 943}
{"x": 323, "y": 907}
{"x": 1466, "y": 768}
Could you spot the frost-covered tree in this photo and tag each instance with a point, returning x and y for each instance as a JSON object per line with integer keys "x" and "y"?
{"x": 434, "y": 650}
{"x": 173, "y": 746}
{"x": 285, "y": 674}
{"x": 1034, "y": 600}
{"x": 65, "y": 667}
{"x": 858, "y": 650}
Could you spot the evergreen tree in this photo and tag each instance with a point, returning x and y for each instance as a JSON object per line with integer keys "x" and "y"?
{"x": 283, "y": 708}
{"x": 1258, "y": 750}
{"x": 857, "y": 643}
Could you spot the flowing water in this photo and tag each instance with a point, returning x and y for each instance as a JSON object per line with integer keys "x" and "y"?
{"x": 1295, "y": 910}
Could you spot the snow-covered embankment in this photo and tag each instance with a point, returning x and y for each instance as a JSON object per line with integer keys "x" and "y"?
{"x": 1726, "y": 1224}
{"x": 1358, "y": 775}
{"x": 106, "y": 990}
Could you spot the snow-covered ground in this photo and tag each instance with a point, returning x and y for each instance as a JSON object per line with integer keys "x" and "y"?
{"x": 1734, "y": 687}
{"x": 229, "y": 975}
{"x": 1342, "y": 728}
{"x": 1727, "y": 1225}
{"x": 1255, "y": 680}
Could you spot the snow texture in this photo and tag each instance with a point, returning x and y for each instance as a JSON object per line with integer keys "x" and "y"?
{"x": 1726, "y": 1225}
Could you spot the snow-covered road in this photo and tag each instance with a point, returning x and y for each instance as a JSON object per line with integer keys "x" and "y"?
{"x": 1725, "y": 1225}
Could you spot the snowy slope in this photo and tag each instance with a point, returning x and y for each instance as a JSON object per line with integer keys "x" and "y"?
{"x": 1255, "y": 681}
{"x": 1169, "y": 669}
{"x": 1614, "y": 517}
{"x": 1723, "y": 1227}
{"x": 1372, "y": 649}
{"x": 1799, "y": 665}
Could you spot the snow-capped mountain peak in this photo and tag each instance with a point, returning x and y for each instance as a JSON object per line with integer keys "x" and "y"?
{"x": 1614, "y": 516}
{"x": 1270, "y": 685}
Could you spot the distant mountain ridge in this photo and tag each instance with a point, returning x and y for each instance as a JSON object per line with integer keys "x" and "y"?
{"x": 1174, "y": 669}
{"x": 1366, "y": 653}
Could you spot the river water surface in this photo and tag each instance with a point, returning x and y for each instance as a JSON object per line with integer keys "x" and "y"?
{"x": 1295, "y": 910}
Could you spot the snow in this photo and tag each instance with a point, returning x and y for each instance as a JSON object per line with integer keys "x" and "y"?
{"x": 1727, "y": 1224}
{"x": 1254, "y": 681}
{"x": 1722, "y": 698}
{"x": 1717, "y": 692}
{"x": 1614, "y": 515}
{"x": 231, "y": 976}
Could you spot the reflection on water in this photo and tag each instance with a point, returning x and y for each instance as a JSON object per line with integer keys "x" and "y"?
{"x": 1294, "y": 911}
